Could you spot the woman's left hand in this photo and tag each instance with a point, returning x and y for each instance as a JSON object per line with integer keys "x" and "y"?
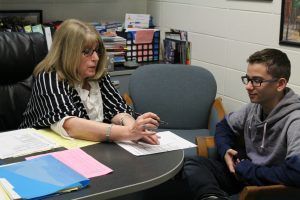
{"x": 151, "y": 139}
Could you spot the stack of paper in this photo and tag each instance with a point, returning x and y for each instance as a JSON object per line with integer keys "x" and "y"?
{"x": 68, "y": 143}
{"x": 168, "y": 142}
{"x": 115, "y": 47}
{"x": 39, "y": 177}
{"x": 23, "y": 142}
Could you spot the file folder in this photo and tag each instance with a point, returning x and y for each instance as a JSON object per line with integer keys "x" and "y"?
{"x": 39, "y": 177}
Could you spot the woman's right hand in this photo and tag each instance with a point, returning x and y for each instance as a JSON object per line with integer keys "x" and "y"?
{"x": 144, "y": 128}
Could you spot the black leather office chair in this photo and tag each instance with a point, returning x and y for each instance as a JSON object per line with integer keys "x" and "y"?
{"x": 19, "y": 54}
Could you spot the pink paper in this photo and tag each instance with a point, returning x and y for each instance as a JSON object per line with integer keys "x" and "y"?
{"x": 144, "y": 36}
{"x": 79, "y": 161}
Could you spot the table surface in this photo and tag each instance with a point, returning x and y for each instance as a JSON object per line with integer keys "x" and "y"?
{"x": 130, "y": 173}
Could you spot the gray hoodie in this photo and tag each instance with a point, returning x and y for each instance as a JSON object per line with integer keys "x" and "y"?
{"x": 277, "y": 137}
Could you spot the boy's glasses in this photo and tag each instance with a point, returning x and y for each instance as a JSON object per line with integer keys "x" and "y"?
{"x": 256, "y": 82}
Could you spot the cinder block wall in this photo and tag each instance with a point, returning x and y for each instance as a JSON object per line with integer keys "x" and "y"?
{"x": 87, "y": 10}
{"x": 223, "y": 34}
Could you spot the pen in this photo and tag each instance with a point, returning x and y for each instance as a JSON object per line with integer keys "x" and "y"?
{"x": 161, "y": 122}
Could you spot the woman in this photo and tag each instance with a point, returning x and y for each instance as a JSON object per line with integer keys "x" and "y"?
{"x": 73, "y": 94}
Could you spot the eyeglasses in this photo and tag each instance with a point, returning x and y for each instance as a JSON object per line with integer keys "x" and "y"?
{"x": 256, "y": 82}
{"x": 89, "y": 52}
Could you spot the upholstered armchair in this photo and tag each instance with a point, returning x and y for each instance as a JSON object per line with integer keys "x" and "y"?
{"x": 182, "y": 95}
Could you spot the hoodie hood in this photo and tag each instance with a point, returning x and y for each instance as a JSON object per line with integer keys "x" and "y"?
{"x": 288, "y": 104}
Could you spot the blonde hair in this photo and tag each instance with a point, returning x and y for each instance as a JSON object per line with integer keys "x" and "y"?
{"x": 71, "y": 38}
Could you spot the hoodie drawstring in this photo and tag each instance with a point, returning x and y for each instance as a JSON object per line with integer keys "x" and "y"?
{"x": 264, "y": 134}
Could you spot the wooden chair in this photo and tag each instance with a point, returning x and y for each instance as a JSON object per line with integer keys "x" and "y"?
{"x": 206, "y": 148}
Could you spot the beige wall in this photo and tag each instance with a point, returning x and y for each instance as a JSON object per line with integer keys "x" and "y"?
{"x": 223, "y": 34}
{"x": 87, "y": 10}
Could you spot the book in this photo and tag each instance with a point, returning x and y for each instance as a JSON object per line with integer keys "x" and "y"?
{"x": 169, "y": 51}
{"x": 39, "y": 177}
{"x": 28, "y": 29}
{"x": 177, "y": 51}
{"x": 48, "y": 36}
{"x": 37, "y": 28}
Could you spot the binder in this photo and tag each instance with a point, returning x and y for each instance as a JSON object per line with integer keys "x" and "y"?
{"x": 39, "y": 177}
{"x": 177, "y": 51}
{"x": 177, "y": 48}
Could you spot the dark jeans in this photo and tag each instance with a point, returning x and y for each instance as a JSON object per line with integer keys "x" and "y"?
{"x": 206, "y": 176}
{"x": 174, "y": 189}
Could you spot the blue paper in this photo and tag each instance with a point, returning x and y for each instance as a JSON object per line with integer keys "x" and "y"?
{"x": 41, "y": 177}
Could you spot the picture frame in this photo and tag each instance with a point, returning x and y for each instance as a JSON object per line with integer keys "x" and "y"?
{"x": 21, "y": 17}
{"x": 290, "y": 23}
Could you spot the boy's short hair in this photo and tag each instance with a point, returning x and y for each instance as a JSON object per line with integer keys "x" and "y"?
{"x": 276, "y": 61}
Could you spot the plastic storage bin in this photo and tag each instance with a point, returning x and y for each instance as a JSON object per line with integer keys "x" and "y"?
{"x": 142, "y": 52}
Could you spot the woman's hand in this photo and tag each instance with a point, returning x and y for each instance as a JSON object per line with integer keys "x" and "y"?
{"x": 151, "y": 139}
{"x": 144, "y": 128}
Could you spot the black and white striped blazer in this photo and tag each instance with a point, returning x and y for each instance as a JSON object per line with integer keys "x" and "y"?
{"x": 51, "y": 100}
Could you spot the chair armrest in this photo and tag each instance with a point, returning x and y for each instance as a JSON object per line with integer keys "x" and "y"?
{"x": 217, "y": 113}
{"x": 204, "y": 143}
{"x": 274, "y": 192}
{"x": 127, "y": 99}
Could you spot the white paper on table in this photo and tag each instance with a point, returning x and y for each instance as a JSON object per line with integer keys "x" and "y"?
{"x": 22, "y": 142}
{"x": 168, "y": 142}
